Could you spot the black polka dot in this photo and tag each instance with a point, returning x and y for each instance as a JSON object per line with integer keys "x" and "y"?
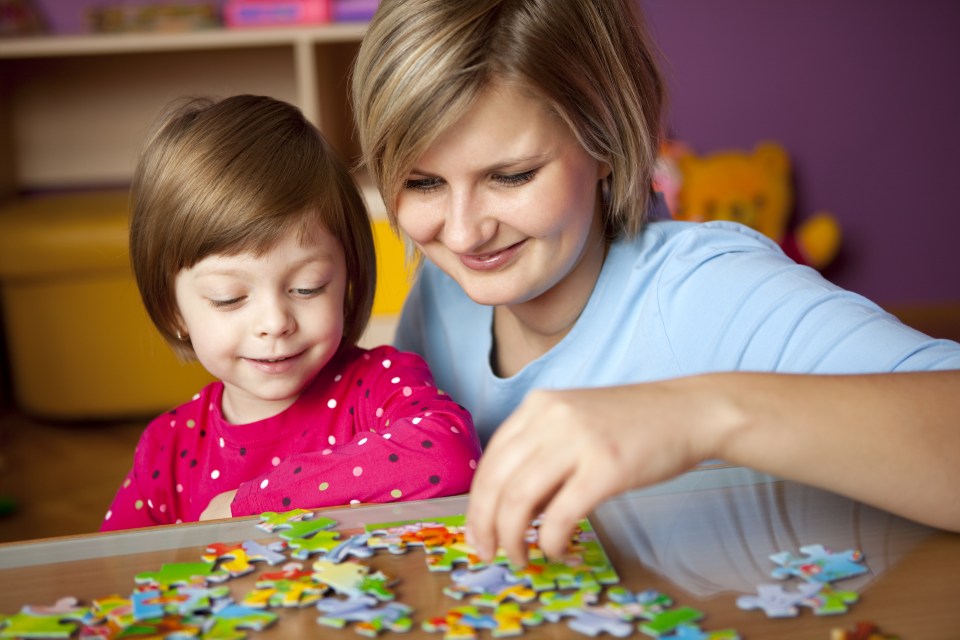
{"x": 156, "y": 474}
{"x": 203, "y": 433}
{"x": 360, "y": 382}
{"x": 367, "y": 394}
{"x": 351, "y": 410}
{"x": 193, "y": 463}
{"x": 243, "y": 451}
{"x": 286, "y": 502}
{"x": 297, "y": 470}
{"x": 426, "y": 444}
{"x": 183, "y": 454}
{"x": 414, "y": 403}
{"x": 393, "y": 457}
{"x": 434, "y": 479}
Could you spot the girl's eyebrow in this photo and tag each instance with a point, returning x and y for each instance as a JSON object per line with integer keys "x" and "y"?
{"x": 215, "y": 270}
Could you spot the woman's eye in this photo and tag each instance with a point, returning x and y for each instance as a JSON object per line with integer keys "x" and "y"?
{"x": 423, "y": 185}
{"x": 515, "y": 179}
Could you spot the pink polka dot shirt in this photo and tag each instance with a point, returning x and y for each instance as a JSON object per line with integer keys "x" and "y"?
{"x": 372, "y": 427}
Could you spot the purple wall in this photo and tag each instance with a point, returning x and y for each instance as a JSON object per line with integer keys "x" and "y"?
{"x": 864, "y": 95}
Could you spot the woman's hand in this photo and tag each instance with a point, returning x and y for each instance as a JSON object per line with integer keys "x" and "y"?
{"x": 564, "y": 452}
{"x": 219, "y": 507}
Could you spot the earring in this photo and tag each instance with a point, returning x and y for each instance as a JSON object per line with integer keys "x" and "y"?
{"x": 181, "y": 337}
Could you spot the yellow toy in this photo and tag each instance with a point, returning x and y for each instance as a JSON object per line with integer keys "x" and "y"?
{"x": 753, "y": 188}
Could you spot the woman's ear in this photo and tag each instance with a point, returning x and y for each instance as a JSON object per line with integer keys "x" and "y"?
{"x": 604, "y": 170}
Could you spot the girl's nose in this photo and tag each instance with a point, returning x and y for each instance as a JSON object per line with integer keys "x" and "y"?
{"x": 275, "y": 319}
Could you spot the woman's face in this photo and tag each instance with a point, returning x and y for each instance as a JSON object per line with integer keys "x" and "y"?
{"x": 506, "y": 202}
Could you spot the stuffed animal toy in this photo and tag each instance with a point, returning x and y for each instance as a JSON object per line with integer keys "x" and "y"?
{"x": 753, "y": 188}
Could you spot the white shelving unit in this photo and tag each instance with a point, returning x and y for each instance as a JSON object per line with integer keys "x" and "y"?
{"x": 75, "y": 109}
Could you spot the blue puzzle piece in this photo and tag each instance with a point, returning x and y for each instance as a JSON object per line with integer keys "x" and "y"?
{"x": 819, "y": 564}
{"x": 777, "y": 602}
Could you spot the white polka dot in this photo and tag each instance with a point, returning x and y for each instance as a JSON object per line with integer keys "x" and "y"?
{"x": 380, "y": 412}
{"x": 357, "y": 471}
{"x": 386, "y": 364}
{"x": 454, "y": 429}
{"x": 338, "y": 377}
{"x": 386, "y": 436}
{"x": 179, "y": 488}
{"x": 222, "y": 443}
{"x": 354, "y": 501}
{"x": 179, "y": 521}
{"x": 276, "y": 461}
{"x": 215, "y": 474}
{"x": 210, "y": 407}
{"x": 109, "y": 515}
{"x": 163, "y": 508}
{"x": 407, "y": 391}
{"x": 263, "y": 485}
{"x": 332, "y": 403}
{"x": 326, "y": 452}
{"x": 473, "y": 464}
{"x": 395, "y": 380}
{"x": 196, "y": 397}
{"x": 173, "y": 423}
{"x": 150, "y": 503}
{"x": 416, "y": 420}
{"x": 332, "y": 440}
{"x": 362, "y": 441}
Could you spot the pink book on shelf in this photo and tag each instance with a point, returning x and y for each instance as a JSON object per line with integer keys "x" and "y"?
{"x": 253, "y": 13}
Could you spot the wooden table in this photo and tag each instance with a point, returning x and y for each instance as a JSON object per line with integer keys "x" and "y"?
{"x": 703, "y": 539}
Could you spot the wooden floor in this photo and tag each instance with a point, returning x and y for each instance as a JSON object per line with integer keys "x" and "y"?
{"x": 60, "y": 478}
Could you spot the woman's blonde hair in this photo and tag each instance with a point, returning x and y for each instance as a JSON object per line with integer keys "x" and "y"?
{"x": 423, "y": 63}
{"x": 235, "y": 175}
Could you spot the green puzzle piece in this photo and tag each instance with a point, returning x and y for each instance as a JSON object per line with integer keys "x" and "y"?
{"x": 174, "y": 574}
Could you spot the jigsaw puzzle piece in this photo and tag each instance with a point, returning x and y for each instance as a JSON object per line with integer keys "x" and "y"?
{"x": 493, "y": 584}
{"x": 694, "y": 632}
{"x": 585, "y": 615}
{"x": 371, "y": 619}
{"x": 641, "y": 605}
{"x": 175, "y": 574}
{"x": 831, "y": 602}
{"x": 669, "y": 620}
{"x": 463, "y": 622}
{"x": 32, "y": 625}
{"x": 777, "y": 602}
{"x": 270, "y": 521}
{"x": 819, "y": 564}
{"x": 271, "y": 553}
{"x": 163, "y": 628}
{"x": 862, "y": 630}
{"x": 231, "y": 621}
{"x": 231, "y": 558}
{"x": 353, "y": 579}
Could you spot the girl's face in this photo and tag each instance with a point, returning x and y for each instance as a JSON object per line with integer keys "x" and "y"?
{"x": 507, "y": 203}
{"x": 265, "y": 325}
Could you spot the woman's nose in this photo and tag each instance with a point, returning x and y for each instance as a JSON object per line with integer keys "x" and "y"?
{"x": 466, "y": 225}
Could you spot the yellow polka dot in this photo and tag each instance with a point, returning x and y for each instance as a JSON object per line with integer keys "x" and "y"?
{"x": 138, "y": 505}
{"x": 396, "y": 493}
{"x": 324, "y": 486}
{"x": 191, "y": 424}
{"x": 126, "y": 483}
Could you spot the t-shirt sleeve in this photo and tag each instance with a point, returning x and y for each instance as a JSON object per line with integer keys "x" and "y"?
{"x": 133, "y": 506}
{"x": 411, "y": 442}
{"x": 730, "y": 300}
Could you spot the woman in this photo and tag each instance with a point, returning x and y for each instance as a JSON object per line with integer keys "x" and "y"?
{"x": 601, "y": 348}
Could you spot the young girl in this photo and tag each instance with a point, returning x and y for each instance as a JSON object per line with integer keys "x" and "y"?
{"x": 599, "y": 348}
{"x": 253, "y": 253}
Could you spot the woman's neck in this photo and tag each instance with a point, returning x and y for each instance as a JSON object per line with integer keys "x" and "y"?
{"x": 525, "y": 331}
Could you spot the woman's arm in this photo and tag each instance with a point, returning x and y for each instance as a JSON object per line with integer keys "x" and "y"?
{"x": 890, "y": 440}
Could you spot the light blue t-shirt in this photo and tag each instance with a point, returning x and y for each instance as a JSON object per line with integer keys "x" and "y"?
{"x": 679, "y": 299}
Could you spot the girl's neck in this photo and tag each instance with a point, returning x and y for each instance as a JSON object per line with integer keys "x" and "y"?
{"x": 526, "y": 331}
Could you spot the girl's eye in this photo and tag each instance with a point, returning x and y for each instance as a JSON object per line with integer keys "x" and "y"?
{"x": 309, "y": 292}
{"x": 223, "y": 304}
{"x": 423, "y": 185}
{"x": 515, "y": 179}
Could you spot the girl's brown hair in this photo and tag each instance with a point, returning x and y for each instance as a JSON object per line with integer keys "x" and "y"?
{"x": 221, "y": 177}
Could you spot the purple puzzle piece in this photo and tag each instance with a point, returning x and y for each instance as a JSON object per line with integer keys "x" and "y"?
{"x": 778, "y": 602}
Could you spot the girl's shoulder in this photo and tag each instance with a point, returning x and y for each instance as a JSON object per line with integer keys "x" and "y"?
{"x": 193, "y": 410}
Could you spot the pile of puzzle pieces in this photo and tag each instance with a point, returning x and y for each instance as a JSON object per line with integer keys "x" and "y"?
{"x": 307, "y": 564}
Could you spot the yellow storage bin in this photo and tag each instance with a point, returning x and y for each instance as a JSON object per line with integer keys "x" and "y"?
{"x": 79, "y": 341}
